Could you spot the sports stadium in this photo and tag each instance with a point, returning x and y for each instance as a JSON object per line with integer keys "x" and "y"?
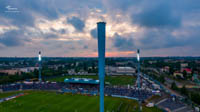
{"x": 80, "y": 94}
{"x": 71, "y": 95}
{"x": 84, "y": 56}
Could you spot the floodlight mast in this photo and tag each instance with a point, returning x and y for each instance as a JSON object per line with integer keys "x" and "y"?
{"x": 138, "y": 69}
{"x": 40, "y": 66}
{"x": 138, "y": 76}
{"x": 101, "y": 30}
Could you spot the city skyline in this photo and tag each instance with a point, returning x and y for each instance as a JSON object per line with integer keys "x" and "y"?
{"x": 64, "y": 28}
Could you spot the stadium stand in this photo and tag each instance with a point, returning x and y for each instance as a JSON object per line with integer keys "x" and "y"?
{"x": 81, "y": 86}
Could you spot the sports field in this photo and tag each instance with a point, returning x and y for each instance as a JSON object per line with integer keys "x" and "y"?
{"x": 43, "y": 101}
{"x": 3, "y": 95}
{"x": 113, "y": 80}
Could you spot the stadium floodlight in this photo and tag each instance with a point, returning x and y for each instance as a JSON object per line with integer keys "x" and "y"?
{"x": 40, "y": 64}
{"x": 39, "y": 56}
{"x": 101, "y": 30}
{"x": 138, "y": 55}
{"x": 138, "y": 76}
{"x": 138, "y": 68}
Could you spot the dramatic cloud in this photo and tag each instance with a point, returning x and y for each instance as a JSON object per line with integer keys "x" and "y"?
{"x": 26, "y": 11}
{"x": 77, "y": 23}
{"x": 122, "y": 43}
{"x": 85, "y": 47}
{"x": 93, "y": 33}
{"x": 61, "y": 31}
{"x": 159, "y": 39}
{"x": 158, "y": 16}
{"x": 18, "y": 18}
{"x": 50, "y": 35}
{"x": 123, "y": 5}
{"x": 65, "y": 27}
{"x": 13, "y": 38}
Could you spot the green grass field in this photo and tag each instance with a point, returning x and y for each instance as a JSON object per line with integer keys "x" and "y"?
{"x": 3, "y": 95}
{"x": 43, "y": 101}
{"x": 113, "y": 80}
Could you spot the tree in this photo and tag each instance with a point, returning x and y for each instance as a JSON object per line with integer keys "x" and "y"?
{"x": 85, "y": 67}
{"x": 174, "y": 86}
{"x": 184, "y": 91}
{"x": 77, "y": 69}
{"x": 162, "y": 79}
{"x": 178, "y": 77}
{"x": 171, "y": 70}
{"x": 185, "y": 74}
{"x": 195, "y": 97}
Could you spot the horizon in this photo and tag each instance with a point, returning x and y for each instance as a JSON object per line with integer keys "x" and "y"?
{"x": 113, "y": 57}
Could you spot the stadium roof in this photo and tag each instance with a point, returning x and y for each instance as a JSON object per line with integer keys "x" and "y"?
{"x": 81, "y": 80}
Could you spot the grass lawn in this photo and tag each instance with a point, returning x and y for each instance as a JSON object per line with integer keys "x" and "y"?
{"x": 113, "y": 80}
{"x": 43, "y": 101}
{"x": 3, "y": 95}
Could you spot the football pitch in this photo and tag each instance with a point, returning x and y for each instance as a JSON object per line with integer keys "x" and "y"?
{"x": 46, "y": 101}
{"x": 113, "y": 80}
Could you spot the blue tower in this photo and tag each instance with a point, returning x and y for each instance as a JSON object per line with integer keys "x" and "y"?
{"x": 40, "y": 66}
{"x": 101, "y": 30}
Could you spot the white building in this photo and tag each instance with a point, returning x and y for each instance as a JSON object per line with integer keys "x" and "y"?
{"x": 120, "y": 70}
{"x": 28, "y": 69}
{"x": 184, "y": 65}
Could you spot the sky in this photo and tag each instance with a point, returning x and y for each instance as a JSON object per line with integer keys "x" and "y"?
{"x": 67, "y": 28}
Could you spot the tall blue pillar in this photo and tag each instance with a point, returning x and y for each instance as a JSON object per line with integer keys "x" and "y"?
{"x": 101, "y": 30}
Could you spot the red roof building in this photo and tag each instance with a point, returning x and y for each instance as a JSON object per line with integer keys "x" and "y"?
{"x": 188, "y": 70}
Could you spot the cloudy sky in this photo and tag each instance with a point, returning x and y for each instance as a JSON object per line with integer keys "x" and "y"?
{"x": 67, "y": 28}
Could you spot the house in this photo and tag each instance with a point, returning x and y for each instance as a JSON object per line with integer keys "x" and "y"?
{"x": 184, "y": 65}
{"x": 11, "y": 71}
{"x": 28, "y": 69}
{"x": 178, "y": 74}
{"x": 188, "y": 70}
{"x": 165, "y": 69}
